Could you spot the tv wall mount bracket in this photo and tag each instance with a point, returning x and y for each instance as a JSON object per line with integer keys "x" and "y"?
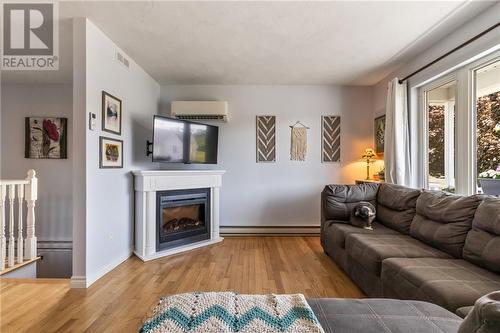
{"x": 149, "y": 146}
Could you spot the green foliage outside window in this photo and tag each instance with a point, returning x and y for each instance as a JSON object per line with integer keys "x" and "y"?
{"x": 488, "y": 132}
{"x": 436, "y": 140}
{"x": 488, "y": 135}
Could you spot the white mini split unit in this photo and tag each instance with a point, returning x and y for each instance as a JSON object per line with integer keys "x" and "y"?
{"x": 200, "y": 110}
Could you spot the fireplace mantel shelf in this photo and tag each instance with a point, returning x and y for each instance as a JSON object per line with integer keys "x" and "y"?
{"x": 148, "y": 183}
{"x": 177, "y": 172}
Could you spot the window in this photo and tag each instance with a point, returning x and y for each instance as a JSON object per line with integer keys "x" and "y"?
{"x": 487, "y": 114}
{"x": 441, "y": 137}
{"x": 457, "y": 130}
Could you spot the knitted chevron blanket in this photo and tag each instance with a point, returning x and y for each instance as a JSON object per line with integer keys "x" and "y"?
{"x": 228, "y": 312}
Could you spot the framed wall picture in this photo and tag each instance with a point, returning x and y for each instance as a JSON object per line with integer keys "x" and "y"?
{"x": 110, "y": 153}
{"x": 111, "y": 113}
{"x": 379, "y": 134}
{"x": 45, "y": 137}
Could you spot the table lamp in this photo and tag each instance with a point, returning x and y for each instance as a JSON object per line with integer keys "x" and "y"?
{"x": 369, "y": 156}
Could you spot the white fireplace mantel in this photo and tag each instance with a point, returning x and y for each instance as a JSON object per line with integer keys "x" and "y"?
{"x": 147, "y": 183}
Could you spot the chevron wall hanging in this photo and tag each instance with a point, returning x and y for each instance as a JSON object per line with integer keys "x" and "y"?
{"x": 330, "y": 139}
{"x": 266, "y": 139}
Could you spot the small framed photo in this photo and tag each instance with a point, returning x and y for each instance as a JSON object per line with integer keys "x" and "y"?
{"x": 46, "y": 137}
{"x": 110, "y": 153}
{"x": 379, "y": 134}
{"x": 111, "y": 113}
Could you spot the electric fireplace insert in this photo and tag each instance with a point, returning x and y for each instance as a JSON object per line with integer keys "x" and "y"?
{"x": 183, "y": 217}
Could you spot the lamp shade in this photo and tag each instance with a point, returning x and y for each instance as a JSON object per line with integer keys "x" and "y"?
{"x": 369, "y": 154}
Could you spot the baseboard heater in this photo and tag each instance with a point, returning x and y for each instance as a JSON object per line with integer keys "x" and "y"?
{"x": 270, "y": 230}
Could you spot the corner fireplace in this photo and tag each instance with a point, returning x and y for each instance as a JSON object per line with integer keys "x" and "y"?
{"x": 201, "y": 187}
{"x": 183, "y": 217}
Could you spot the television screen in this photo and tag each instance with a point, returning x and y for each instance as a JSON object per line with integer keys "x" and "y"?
{"x": 179, "y": 141}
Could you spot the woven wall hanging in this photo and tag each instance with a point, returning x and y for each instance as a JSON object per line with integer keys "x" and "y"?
{"x": 298, "y": 145}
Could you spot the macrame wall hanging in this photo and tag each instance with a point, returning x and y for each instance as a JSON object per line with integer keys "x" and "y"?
{"x": 298, "y": 147}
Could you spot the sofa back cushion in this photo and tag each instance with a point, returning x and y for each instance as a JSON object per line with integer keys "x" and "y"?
{"x": 396, "y": 206}
{"x": 482, "y": 246}
{"x": 339, "y": 200}
{"x": 443, "y": 220}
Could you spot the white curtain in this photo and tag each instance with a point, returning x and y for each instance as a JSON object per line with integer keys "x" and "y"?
{"x": 397, "y": 138}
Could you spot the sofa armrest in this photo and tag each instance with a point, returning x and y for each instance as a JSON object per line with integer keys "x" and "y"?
{"x": 337, "y": 201}
{"x": 485, "y": 315}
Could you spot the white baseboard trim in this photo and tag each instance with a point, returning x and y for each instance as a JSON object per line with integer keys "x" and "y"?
{"x": 87, "y": 281}
{"x": 107, "y": 268}
{"x": 78, "y": 282}
{"x": 179, "y": 249}
{"x": 270, "y": 230}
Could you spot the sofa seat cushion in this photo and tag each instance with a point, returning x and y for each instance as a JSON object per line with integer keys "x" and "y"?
{"x": 382, "y": 315}
{"x": 450, "y": 283}
{"x": 443, "y": 220}
{"x": 396, "y": 206}
{"x": 370, "y": 250}
{"x": 338, "y": 232}
{"x": 482, "y": 245}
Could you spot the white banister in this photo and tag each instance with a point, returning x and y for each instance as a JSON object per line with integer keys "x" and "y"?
{"x": 20, "y": 240}
{"x": 23, "y": 190}
{"x": 11, "y": 253}
{"x": 3, "y": 241}
{"x": 31, "y": 196}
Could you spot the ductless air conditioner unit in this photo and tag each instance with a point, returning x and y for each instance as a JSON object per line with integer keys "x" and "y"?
{"x": 200, "y": 110}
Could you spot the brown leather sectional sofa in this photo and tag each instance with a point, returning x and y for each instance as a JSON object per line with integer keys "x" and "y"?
{"x": 425, "y": 245}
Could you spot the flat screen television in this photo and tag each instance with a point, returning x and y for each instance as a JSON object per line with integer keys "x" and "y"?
{"x": 181, "y": 141}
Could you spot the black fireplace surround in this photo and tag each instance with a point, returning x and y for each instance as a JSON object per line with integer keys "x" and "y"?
{"x": 182, "y": 217}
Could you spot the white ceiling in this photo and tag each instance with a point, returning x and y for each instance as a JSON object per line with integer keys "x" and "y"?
{"x": 350, "y": 42}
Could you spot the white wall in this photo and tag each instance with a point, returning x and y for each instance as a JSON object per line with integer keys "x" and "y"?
{"x": 469, "y": 29}
{"x": 54, "y": 210}
{"x": 284, "y": 193}
{"x": 78, "y": 279}
{"x": 465, "y": 55}
{"x": 109, "y": 212}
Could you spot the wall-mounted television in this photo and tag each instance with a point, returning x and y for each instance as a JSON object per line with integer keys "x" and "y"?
{"x": 181, "y": 141}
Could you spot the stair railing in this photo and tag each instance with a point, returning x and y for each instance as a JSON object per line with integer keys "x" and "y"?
{"x": 24, "y": 190}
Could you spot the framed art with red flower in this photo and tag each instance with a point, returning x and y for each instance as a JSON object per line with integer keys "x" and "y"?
{"x": 46, "y": 137}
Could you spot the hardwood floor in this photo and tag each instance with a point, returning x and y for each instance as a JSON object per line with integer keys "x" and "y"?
{"x": 120, "y": 301}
